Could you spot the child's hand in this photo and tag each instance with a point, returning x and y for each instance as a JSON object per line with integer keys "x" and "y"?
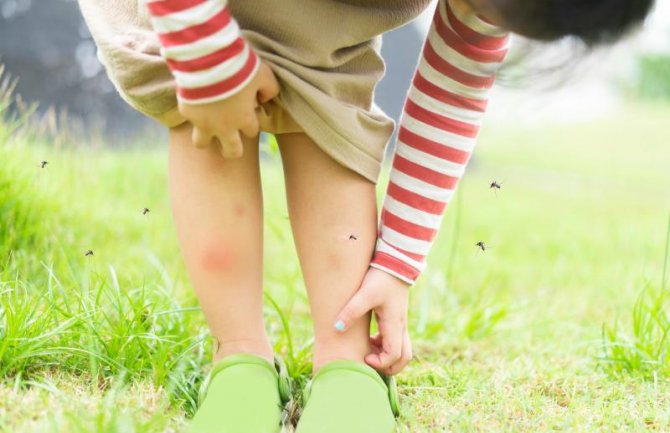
{"x": 388, "y": 296}
{"x": 225, "y": 119}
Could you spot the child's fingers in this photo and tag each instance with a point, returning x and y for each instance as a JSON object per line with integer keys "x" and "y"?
{"x": 269, "y": 86}
{"x": 408, "y": 354}
{"x": 359, "y": 304}
{"x": 231, "y": 144}
{"x": 376, "y": 344}
{"x": 200, "y": 138}
{"x": 251, "y": 129}
{"x": 376, "y": 340}
{"x": 392, "y": 342}
{"x": 405, "y": 358}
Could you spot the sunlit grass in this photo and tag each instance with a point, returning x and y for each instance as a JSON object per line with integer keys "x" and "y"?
{"x": 645, "y": 349}
{"x": 507, "y": 339}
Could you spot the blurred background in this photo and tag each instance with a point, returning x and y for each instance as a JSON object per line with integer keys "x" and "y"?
{"x": 48, "y": 47}
{"x": 561, "y": 324}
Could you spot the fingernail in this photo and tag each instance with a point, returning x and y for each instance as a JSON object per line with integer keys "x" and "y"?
{"x": 339, "y": 325}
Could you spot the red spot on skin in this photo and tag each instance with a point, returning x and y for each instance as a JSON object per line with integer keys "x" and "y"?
{"x": 217, "y": 259}
{"x": 334, "y": 260}
{"x": 239, "y": 209}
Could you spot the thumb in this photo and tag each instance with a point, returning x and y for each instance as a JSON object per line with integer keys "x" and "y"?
{"x": 357, "y": 307}
{"x": 269, "y": 87}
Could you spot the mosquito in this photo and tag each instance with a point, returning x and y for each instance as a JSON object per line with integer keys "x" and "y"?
{"x": 43, "y": 164}
{"x": 145, "y": 211}
{"x": 89, "y": 253}
{"x": 482, "y": 246}
{"x": 496, "y": 186}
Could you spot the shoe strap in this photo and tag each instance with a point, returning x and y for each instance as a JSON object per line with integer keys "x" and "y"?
{"x": 394, "y": 397}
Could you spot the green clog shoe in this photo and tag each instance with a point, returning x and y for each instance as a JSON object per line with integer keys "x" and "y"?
{"x": 243, "y": 393}
{"x": 348, "y": 396}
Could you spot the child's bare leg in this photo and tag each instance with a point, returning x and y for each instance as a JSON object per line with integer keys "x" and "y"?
{"x": 333, "y": 213}
{"x": 217, "y": 206}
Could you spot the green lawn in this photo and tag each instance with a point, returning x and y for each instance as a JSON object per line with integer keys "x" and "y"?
{"x": 507, "y": 339}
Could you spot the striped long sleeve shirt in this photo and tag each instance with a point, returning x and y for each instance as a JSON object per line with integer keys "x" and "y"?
{"x": 210, "y": 60}
{"x": 437, "y": 132}
{"x": 203, "y": 47}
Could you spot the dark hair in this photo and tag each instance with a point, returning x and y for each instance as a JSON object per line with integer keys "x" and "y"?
{"x": 581, "y": 26}
{"x": 594, "y": 22}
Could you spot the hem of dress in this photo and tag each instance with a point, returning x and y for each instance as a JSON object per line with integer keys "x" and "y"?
{"x": 170, "y": 118}
{"x": 334, "y": 144}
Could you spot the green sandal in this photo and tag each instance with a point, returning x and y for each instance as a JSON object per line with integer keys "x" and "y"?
{"x": 348, "y": 396}
{"x": 242, "y": 393}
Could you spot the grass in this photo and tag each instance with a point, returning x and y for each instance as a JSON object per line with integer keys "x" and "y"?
{"x": 508, "y": 339}
{"x": 647, "y": 351}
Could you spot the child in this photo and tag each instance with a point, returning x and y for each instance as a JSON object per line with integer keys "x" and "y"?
{"x": 217, "y": 72}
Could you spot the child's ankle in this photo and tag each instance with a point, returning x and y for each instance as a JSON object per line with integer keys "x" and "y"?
{"x": 321, "y": 361}
{"x": 260, "y": 347}
{"x": 330, "y": 350}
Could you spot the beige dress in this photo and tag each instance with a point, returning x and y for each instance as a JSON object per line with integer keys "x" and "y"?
{"x": 324, "y": 53}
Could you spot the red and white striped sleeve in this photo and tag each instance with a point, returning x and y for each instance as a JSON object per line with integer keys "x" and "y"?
{"x": 203, "y": 47}
{"x": 437, "y": 132}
